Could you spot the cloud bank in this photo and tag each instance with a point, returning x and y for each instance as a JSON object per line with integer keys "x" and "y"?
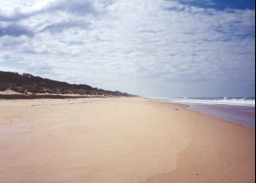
{"x": 135, "y": 46}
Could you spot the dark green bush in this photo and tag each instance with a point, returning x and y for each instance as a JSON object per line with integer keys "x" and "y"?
{"x": 3, "y": 87}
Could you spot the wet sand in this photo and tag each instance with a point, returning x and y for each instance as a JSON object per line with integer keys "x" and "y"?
{"x": 243, "y": 115}
{"x": 113, "y": 140}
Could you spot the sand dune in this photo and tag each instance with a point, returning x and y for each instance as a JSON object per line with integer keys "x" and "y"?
{"x": 113, "y": 140}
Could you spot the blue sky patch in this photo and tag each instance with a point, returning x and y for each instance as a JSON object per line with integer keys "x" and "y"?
{"x": 221, "y": 4}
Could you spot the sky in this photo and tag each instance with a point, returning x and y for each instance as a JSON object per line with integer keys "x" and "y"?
{"x": 152, "y": 48}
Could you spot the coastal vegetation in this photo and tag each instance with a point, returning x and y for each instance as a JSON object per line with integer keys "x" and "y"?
{"x": 28, "y": 84}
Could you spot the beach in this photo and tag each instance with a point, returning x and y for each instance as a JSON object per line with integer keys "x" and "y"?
{"x": 114, "y": 140}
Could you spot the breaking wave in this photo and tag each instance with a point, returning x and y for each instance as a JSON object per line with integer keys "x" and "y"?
{"x": 224, "y": 101}
{"x": 250, "y": 102}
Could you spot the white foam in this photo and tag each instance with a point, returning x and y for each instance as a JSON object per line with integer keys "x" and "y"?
{"x": 224, "y": 101}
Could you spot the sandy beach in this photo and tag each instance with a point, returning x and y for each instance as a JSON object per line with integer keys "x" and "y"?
{"x": 120, "y": 140}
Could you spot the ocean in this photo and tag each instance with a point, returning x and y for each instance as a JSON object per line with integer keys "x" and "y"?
{"x": 234, "y": 109}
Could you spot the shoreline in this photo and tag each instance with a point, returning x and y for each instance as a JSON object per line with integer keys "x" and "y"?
{"x": 209, "y": 110}
{"x": 127, "y": 140}
{"x": 229, "y": 120}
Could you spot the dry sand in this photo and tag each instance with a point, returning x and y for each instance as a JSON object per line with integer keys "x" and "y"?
{"x": 9, "y": 92}
{"x": 120, "y": 140}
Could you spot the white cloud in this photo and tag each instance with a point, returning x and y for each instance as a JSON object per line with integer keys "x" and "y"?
{"x": 113, "y": 41}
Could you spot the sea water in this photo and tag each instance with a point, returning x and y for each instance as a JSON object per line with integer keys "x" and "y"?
{"x": 235, "y": 109}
